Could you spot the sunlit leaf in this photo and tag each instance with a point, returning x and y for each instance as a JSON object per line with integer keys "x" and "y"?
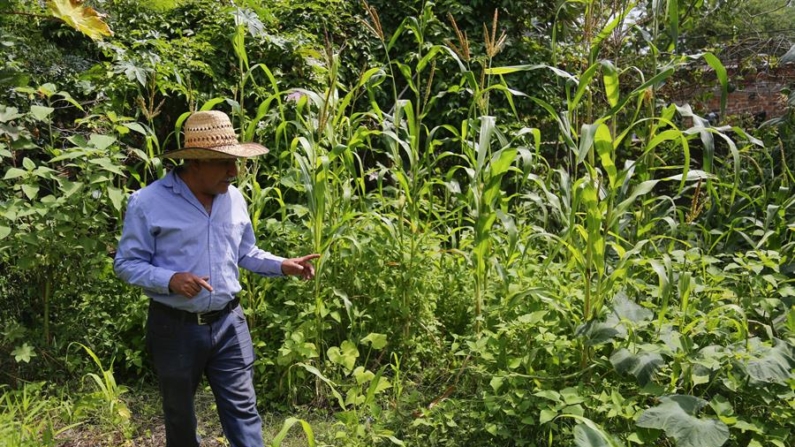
{"x": 345, "y": 355}
{"x": 82, "y": 18}
{"x": 13, "y": 173}
{"x": 101, "y": 142}
{"x": 377, "y": 341}
{"x": 41, "y": 113}
{"x": 116, "y": 197}
{"x": 603, "y": 141}
{"x": 8, "y": 113}
{"x": 610, "y": 78}
{"x": 30, "y": 191}
{"x": 23, "y": 353}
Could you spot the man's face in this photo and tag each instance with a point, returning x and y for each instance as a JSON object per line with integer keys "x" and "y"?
{"x": 215, "y": 175}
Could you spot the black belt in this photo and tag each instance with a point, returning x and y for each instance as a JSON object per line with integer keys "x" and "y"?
{"x": 198, "y": 318}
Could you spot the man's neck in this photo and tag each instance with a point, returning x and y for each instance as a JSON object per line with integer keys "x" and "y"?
{"x": 205, "y": 199}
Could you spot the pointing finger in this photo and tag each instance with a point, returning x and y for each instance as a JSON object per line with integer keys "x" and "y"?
{"x": 203, "y": 282}
{"x": 308, "y": 257}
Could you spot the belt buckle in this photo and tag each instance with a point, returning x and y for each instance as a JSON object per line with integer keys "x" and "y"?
{"x": 201, "y": 321}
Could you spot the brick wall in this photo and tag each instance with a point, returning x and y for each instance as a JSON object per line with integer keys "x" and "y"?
{"x": 756, "y": 93}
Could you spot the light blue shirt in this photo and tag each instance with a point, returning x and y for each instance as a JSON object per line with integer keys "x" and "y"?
{"x": 166, "y": 231}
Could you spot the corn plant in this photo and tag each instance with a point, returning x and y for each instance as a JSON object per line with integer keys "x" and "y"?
{"x": 106, "y": 402}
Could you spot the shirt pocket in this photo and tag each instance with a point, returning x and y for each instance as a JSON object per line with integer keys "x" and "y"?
{"x": 232, "y": 237}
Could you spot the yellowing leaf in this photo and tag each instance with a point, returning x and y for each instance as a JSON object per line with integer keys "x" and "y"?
{"x": 82, "y": 18}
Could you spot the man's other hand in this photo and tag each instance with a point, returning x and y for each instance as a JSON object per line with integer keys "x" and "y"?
{"x": 300, "y": 266}
{"x": 188, "y": 285}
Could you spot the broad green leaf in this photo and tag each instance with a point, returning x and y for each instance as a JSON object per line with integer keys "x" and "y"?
{"x": 673, "y": 23}
{"x": 23, "y": 353}
{"x": 585, "y": 436}
{"x": 68, "y": 98}
{"x": 587, "y": 135}
{"x": 136, "y": 127}
{"x": 765, "y": 364}
{"x": 30, "y": 191}
{"x": 552, "y": 395}
{"x": 249, "y": 19}
{"x": 345, "y": 355}
{"x": 427, "y": 58}
{"x": 13, "y": 173}
{"x": 546, "y": 416}
{"x": 206, "y": 106}
{"x": 116, "y": 197}
{"x": 597, "y": 333}
{"x": 582, "y": 86}
{"x": 676, "y": 416}
{"x": 642, "y": 366}
{"x": 520, "y": 68}
{"x": 9, "y": 113}
{"x": 80, "y": 17}
{"x": 377, "y": 341}
{"x": 107, "y": 164}
{"x": 28, "y": 164}
{"x": 70, "y": 188}
{"x": 640, "y": 190}
{"x": 239, "y": 45}
{"x": 610, "y": 78}
{"x": 603, "y": 141}
{"x": 496, "y": 382}
{"x": 362, "y": 375}
{"x": 723, "y": 78}
{"x": 41, "y": 113}
{"x": 4, "y": 231}
{"x": 502, "y": 161}
{"x": 101, "y": 142}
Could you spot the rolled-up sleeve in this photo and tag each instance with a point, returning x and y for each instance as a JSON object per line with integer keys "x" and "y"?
{"x": 133, "y": 262}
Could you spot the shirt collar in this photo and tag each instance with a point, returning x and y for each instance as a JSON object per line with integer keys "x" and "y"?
{"x": 172, "y": 181}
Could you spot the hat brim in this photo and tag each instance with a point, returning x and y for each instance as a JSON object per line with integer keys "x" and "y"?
{"x": 244, "y": 150}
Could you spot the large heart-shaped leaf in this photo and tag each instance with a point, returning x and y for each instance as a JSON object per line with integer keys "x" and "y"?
{"x": 345, "y": 355}
{"x": 82, "y": 18}
{"x": 642, "y": 365}
{"x": 676, "y": 416}
{"x": 585, "y": 436}
{"x": 767, "y": 364}
{"x": 377, "y": 341}
{"x": 598, "y": 333}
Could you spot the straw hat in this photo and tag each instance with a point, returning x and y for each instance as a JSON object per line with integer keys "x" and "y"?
{"x": 210, "y": 134}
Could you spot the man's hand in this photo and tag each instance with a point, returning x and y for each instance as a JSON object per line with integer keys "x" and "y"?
{"x": 188, "y": 285}
{"x": 300, "y": 266}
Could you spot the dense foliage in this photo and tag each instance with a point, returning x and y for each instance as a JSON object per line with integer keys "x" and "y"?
{"x": 523, "y": 242}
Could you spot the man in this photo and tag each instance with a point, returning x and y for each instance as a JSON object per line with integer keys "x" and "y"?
{"x": 184, "y": 238}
